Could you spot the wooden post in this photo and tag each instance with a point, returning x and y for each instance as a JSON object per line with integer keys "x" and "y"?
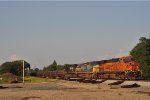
{"x": 23, "y": 72}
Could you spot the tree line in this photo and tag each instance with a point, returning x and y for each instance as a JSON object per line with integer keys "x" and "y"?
{"x": 14, "y": 67}
{"x": 53, "y": 67}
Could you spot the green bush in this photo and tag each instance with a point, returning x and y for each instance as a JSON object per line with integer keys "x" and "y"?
{"x": 9, "y": 78}
{"x": 14, "y": 67}
{"x": 142, "y": 54}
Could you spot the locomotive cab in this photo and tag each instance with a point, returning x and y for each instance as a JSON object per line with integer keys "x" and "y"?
{"x": 127, "y": 59}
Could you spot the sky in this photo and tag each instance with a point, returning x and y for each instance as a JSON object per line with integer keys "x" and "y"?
{"x": 70, "y": 32}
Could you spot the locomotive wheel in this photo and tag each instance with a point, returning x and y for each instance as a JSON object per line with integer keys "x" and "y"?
{"x": 130, "y": 75}
{"x": 94, "y": 76}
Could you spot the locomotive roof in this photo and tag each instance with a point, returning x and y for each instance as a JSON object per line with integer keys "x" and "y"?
{"x": 100, "y": 62}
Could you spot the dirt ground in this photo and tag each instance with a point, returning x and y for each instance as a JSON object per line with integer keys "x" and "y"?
{"x": 70, "y": 90}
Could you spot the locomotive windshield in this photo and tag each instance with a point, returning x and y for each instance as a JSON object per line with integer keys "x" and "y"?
{"x": 126, "y": 60}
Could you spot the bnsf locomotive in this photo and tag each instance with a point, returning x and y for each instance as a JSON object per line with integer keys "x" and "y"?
{"x": 118, "y": 68}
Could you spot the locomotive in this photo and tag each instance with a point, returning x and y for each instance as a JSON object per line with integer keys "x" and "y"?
{"x": 117, "y": 68}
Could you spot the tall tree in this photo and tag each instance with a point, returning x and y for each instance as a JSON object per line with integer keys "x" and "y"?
{"x": 53, "y": 67}
{"x": 142, "y": 54}
{"x": 54, "y": 63}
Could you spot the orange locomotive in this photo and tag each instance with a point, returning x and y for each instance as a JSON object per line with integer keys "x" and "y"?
{"x": 125, "y": 68}
{"x": 124, "y": 64}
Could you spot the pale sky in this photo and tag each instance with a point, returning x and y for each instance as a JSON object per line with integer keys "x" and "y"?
{"x": 70, "y": 32}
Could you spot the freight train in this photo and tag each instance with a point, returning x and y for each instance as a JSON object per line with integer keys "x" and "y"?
{"x": 117, "y": 68}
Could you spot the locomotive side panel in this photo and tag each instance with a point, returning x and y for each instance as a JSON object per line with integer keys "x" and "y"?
{"x": 125, "y": 68}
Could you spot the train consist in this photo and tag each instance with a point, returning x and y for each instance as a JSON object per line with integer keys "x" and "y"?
{"x": 117, "y": 68}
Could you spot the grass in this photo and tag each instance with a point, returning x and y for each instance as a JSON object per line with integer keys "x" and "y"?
{"x": 32, "y": 79}
{"x": 8, "y": 78}
{"x": 28, "y": 79}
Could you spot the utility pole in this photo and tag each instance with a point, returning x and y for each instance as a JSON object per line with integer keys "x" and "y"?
{"x": 23, "y": 72}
